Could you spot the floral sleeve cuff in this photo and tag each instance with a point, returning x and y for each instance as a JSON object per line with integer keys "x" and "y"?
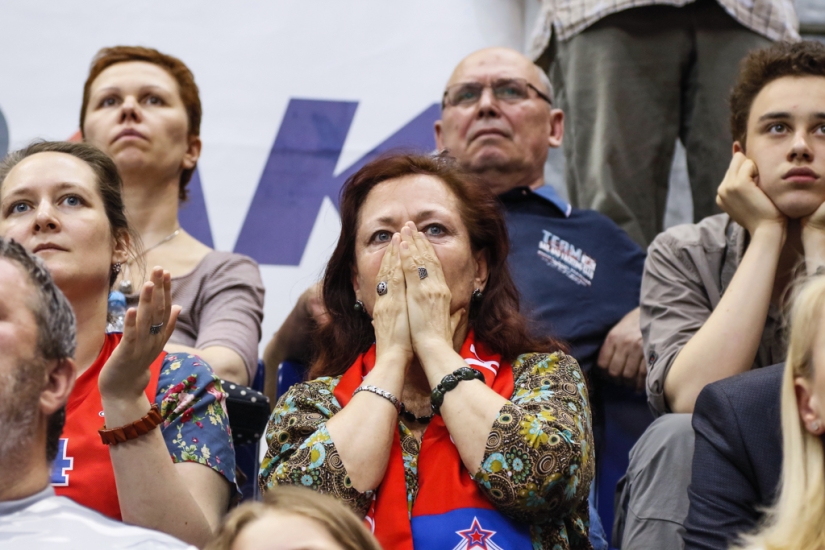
{"x": 195, "y": 426}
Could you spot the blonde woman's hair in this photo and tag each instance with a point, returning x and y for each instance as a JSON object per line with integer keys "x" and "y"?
{"x": 338, "y": 520}
{"x": 797, "y": 518}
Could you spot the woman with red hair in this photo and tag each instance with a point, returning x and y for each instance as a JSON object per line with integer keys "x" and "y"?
{"x": 433, "y": 413}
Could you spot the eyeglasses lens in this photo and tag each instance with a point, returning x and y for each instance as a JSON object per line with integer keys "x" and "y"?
{"x": 508, "y": 90}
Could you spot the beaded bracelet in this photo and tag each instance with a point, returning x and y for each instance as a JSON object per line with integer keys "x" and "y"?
{"x": 449, "y": 382}
{"x": 132, "y": 431}
{"x": 383, "y": 393}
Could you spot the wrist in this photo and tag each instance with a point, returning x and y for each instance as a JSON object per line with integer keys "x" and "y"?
{"x": 117, "y": 394}
{"x": 390, "y": 370}
{"x": 813, "y": 238}
{"x": 122, "y": 411}
{"x": 432, "y": 353}
{"x": 393, "y": 355}
{"x": 771, "y": 231}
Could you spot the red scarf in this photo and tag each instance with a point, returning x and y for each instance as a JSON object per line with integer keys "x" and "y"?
{"x": 83, "y": 468}
{"x": 448, "y": 499}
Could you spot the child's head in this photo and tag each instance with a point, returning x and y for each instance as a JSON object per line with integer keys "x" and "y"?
{"x": 293, "y": 518}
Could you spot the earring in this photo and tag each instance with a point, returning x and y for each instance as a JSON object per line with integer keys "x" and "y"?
{"x": 116, "y": 268}
{"x": 477, "y": 295}
{"x": 814, "y": 427}
{"x": 359, "y": 307}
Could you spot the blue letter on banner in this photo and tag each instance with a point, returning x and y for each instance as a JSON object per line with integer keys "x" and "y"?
{"x": 299, "y": 174}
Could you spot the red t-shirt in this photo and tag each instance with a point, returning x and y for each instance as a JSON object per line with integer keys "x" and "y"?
{"x": 83, "y": 469}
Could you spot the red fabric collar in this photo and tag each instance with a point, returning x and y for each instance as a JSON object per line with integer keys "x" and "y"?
{"x": 444, "y": 483}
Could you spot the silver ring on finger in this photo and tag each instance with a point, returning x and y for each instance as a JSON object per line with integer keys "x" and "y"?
{"x": 155, "y": 329}
{"x": 422, "y": 273}
{"x": 381, "y": 289}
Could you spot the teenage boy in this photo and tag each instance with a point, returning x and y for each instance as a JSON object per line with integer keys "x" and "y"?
{"x": 712, "y": 291}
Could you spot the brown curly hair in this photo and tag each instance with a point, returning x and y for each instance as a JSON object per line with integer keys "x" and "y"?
{"x": 495, "y": 318}
{"x": 763, "y": 66}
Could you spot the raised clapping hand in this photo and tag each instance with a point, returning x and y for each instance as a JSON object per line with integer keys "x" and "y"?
{"x": 126, "y": 373}
{"x": 740, "y": 196}
{"x": 313, "y": 302}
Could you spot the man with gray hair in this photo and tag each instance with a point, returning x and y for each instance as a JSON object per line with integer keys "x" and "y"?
{"x": 578, "y": 273}
{"x": 37, "y": 374}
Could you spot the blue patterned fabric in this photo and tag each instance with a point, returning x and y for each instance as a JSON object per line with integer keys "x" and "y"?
{"x": 192, "y": 403}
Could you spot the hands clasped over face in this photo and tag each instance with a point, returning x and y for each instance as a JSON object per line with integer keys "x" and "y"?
{"x": 146, "y": 329}
{"x": 413, "y": 316}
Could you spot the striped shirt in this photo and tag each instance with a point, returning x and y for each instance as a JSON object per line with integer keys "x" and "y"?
{"x": 45, "y": 520}
{"x": 774, "y": 19}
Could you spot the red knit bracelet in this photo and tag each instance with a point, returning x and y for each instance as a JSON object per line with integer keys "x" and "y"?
{"x": 133, "y": 430}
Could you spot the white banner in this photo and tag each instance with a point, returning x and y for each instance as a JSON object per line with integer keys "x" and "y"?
{"x": 295, "y": 94}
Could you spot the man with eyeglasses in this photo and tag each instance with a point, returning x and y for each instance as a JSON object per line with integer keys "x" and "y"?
{"x": 578, "y": 273}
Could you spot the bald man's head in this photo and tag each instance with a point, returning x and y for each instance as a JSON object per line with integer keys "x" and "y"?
{"x": 502, "y": 139}
{"x": 516, "y": 60}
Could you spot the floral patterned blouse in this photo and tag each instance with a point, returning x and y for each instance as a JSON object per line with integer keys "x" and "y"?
{"x": 537, "y": 467}
{"x": 193, "y": 406}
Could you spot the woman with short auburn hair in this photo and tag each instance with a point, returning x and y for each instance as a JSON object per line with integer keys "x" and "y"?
{"x": 433, "y": 412}
{"x": 142, "y": 108}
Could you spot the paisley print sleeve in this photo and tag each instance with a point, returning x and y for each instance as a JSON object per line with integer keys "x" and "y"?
{"x": 300, "y": 450}
{"x": 539, "y": 459}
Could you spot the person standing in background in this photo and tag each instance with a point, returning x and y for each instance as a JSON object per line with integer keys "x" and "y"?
{"x": 632, "y": 77}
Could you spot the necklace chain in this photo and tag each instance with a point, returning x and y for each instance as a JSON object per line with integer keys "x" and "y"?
{"x": 166, "y": 239}
{"x": 125, "y": 284}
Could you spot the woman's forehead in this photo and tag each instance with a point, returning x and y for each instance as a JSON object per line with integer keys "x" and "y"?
{"x": 412, "y": 196}
{"x": 134, "y": 73}
{"x": 48, "y": 169}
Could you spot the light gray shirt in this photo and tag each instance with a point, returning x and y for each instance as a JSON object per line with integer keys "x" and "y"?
{"x": 45, "y": 520}
{"x": 687, "y": 270}
{"x": 774, "y": 19}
